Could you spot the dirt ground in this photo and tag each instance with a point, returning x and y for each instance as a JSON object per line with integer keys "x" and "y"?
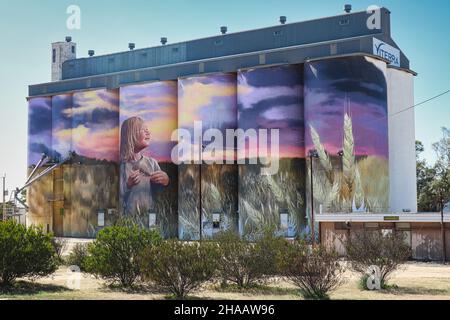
{"x": 417, "y": 281}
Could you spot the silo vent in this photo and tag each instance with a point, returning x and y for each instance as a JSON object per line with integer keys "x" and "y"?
{"x": 348, "y": 8}
{"x": 131, "y": 46}
{"x": 283, "y": 19}
{"x": 223, "y": 29}
{"x": 163, "y": 41}
{"x": 68, "y": 39}
{"x": 91, "y": 53}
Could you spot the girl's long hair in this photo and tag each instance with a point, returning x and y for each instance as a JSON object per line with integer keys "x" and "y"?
{"x": 129, "y": 135}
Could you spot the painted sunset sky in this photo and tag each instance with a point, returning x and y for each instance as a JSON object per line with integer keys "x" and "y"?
{"x": 61, "y": 125}
{"x": 95, "y": 124}
{"x": 39, "y": 129}
{"x": 210, "y": 99}
{"x": 272, "y": 98}
{"x": 156, "y": 104}
{"x": 356, "y": 85}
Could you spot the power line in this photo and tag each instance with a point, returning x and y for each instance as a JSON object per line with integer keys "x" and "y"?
{"x": 421, "y": 103}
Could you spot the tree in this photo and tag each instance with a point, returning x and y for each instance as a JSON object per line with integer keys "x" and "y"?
{"x": 315, "y": 271}
{"x": 433, "y": 182}
{"x": 25, "y": 252}
{"x": 374, "y": 248}
{"x": 246, "y": 263}
{"x": 441, "y": 185}
{"x": 114, "y": 255}
{"x": 179, "y": 267}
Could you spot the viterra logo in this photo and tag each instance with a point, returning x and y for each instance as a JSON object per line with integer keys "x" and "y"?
{"x": 198, "y": 147}
{"x": 386, "y": 54}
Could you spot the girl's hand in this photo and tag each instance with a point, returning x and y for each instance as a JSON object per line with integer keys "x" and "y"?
{"x": 134, "y": 179}
{"x": 160, "y": 177}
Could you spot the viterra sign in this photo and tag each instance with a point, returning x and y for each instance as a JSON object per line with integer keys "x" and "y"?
{"x": 387, "y": 52}
{"x": 128, "y": 141}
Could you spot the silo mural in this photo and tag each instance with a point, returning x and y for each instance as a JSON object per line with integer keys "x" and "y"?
{"x": 61, "y": 147}
{"x": 124, "y": 163}
{"x": 347, "y": 124}
{"x": 95, "y": 172}
{"x": 272, "y": 98}
{"x": 39, "y": 142}
{"x": 210, "y": 100}
{"x": 148, "y": 177}
{"x": 39, "y": 129}
{"x": 61, "y": 126}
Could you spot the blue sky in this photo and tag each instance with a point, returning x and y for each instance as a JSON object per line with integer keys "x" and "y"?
{"x": 27, "y": 28}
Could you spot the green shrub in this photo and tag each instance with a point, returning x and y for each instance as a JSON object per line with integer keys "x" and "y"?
{"x": 25, "y": 252}
{"x": 247, "y": 264}
{"x": 114, "y": 254}
{"x": 59, "y": 244}
{"x": 180, "y": 267}
{"x": 315, "y": 271}
{"x": 387, "y": 252}
{"x": 77, "y": 256}
{"x": 269, "y": 247}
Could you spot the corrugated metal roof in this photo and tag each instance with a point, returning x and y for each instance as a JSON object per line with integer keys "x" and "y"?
{"x": 289, "y": 43}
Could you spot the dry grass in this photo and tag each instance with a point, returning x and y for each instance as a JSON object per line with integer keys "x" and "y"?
{"x": 417, "y": 281}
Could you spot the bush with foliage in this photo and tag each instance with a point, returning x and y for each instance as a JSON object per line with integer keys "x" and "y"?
{"x": 25, "y": 252}
{"x": 247, "y": 264}
{"x": 114, "y": 254}
{"x": 316, "y": 271}
{"x": 180, "y": 267}
{"x": 77, "y": 257}
{"x": 387, "y": 252}
{"x": 59, "y": 244}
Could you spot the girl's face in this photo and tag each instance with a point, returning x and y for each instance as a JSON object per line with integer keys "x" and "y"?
{"x": 143, "y": 140}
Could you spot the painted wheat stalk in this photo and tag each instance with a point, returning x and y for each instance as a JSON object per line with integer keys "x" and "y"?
{"x": 348, "y": 159}
{"x": 359, "y": 192}
{"x": 323, "y": 156}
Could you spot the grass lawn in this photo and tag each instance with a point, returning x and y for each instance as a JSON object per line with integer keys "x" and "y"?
{"x": 418, "y": 281}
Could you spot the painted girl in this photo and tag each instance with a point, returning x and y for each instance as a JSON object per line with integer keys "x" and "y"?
{"x": 140, "y": 175}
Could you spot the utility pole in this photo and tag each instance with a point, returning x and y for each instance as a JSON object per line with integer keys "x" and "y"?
{"x": 312, "y": 154}
{"x": 202, "y": 147}
{"x": 444, "y": 249}
{"x": 4, "y": 201}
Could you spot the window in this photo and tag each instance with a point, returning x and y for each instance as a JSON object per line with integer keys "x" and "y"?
{"x": 278, "y": 33}
{"x": 54, "y": 55}
{"x": 218, "y": 42}
{"x": 152, "y": 220}
{"x": 73, "y": 49}
{"x": 344, "y": 22}
{"x": 216, "y": 220}
{"x": 101, "y": 219}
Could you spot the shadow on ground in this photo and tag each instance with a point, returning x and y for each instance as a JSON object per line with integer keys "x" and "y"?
{"x": 415, "y": 291}
{"x": 257, "y": 290}
{"x": 27, "y": 288}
